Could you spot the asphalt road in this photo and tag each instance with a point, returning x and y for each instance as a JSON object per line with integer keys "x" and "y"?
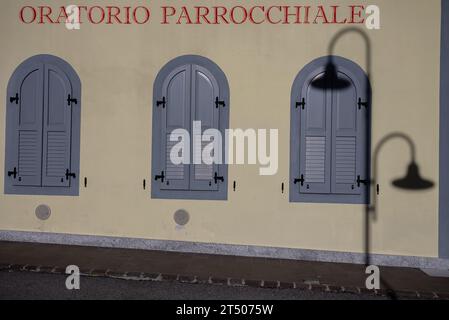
{"x": 40, "y": 286}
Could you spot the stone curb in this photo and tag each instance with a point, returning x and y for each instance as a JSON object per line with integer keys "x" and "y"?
{"x": 311, "y": 286}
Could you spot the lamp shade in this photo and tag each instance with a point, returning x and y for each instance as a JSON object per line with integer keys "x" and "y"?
{"x": 330, "y": 79}
{"x": 413, "y": 180}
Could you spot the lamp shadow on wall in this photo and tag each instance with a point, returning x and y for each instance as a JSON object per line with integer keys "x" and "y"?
{"x": 412, "y": 182}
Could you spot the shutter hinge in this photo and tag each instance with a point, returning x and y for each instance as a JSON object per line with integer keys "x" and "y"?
{"x": 359, "y": 181}
{"x": 13, "y": 173}
{"x": 71, "y": 100}
{"x": 162, "y": 103}
{"x": 302, "y": 180}
{"x": 362, "y": 104}
{"x": 219, "y": 103}
{"x": 69, "y": 174}
{"x": 160, "y": 177}
{"x": 301, "y": 104}
{"x": 16, "y": 99}
{"x": 217, "y": 178}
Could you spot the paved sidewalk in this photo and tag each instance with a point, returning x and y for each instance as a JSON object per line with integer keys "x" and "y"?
{"x": 215, "y": 269}
{"x": 32, "y": 286}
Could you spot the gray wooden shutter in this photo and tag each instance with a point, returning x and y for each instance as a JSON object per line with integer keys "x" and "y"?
{"x": 24, "y": 136}
{"x": 315, "y": 149}
{"x": 349, "y": 138}
{"x": 205, "y": 91}
{"x": 175, "y": 115}
{"x": 57, "y": 128}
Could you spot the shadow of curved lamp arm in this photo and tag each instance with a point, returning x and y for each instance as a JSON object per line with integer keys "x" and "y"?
{"x": 412, "y": 180}
{"x": 330, "y": 80}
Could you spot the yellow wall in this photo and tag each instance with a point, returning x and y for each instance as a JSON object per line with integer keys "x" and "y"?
{"x": 117, "y": 66}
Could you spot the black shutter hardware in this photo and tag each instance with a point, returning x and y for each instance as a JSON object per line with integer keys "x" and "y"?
{"x": 217, "y": 178}
{"x": 162, "y": 103}
{"x": 219, "y": 103}
{"x": 70, "y": 100}
{"x": 69, "y": 174}
{"x": 13, "y": 173}
{"x": 359, "y": 182}
{"x": 362, "y": 104}
{"x": 160, "y": 177}
{"x": 301, "y": 104}
{"x": 302, "y": 180}
{"x": 16, "y": 99}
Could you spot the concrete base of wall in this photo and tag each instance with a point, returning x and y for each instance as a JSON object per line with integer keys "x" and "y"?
{"x": 223, "y": 249}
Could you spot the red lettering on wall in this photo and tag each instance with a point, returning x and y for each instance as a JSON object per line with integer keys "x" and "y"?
{"x": 296, "y": 15}
{"x": 167, "y": 12}
{"x": 269, "y": 15}
{"x": 335, "y": 16}
{"x": 91, "y": 13}
{"x": 147, "y": 15}
{"x": 127, "y": 13}
{"x": 113, "y": 13}
{"x": 220, "y": 15}
{"x": 62, "y": 18}
{"x": 244, "y": 16}
{"x": 33, "y": 14}
{"x": 251, "y": 14}
{"x": 306, "y": 15}
{"x": 356, "y": 12}
{"x": 45, "y": 12}
{"x": 201, "y": 14}
{"x": 184, "y": 15}
{"x": 321, "y": 14}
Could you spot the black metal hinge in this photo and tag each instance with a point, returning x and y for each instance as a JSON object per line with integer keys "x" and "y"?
{"x": 301, "y": 180}
{"x": 160, "y": 177}
{"x": 362, "y": 104}
{"x": 13, "y": 173}
{"x": 70, "y": 100}
{"x": 16, "y": 99}
{"x": 217, "y": 178}
{"x": 301, "y": 104}
{"x": 359, "y": 181}
{"x": 162, "y": 103}
{"x": 219, "y": 103}
{"x": 69, "y": 174}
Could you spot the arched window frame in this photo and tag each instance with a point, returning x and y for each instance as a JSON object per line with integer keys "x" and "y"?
{"x": 224, "y": 109}
{"x": 72, "y": 189}
{"x": 304, "y": 78}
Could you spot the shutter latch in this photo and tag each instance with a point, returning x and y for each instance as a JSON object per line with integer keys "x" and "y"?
{"x": 70, "y": 100}
{"x": 16, "y": 99}
{"x": 69, "y": 174}
{"x": 160, "y": 177}
{"x": 219, "y": 103}
{"x": 302, "y": 180}
{"x": 162, "y": 103}
{"x": 13, "y": 173}
{"x": 301, "y": 104}
{"x": 359, "y": 182}
{"x": 217, "y": 178}
{"x": 362, "y": 104}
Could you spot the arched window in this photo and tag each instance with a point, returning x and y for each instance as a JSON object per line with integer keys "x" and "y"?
{"x": 330, "y": 132}
{"x": 188, "y": 90}
{"x": 43, "y": 128}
